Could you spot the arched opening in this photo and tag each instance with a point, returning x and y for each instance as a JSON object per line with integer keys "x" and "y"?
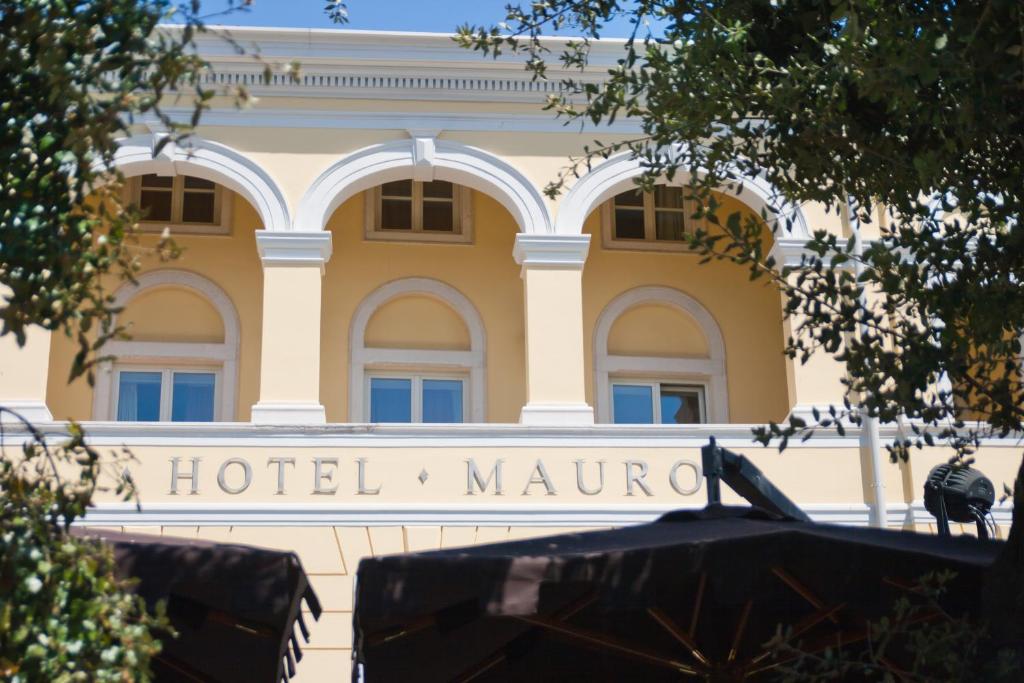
{"x": 393, "y": 217}
{"x": 748, "y": 314}
{"x": 214, "y": 200}
{"x": 423, "y": 159}
{"x": 207, "y": 161}
{"x": 617, "y": 174}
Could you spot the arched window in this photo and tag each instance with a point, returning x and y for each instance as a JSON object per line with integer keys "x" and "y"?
{"x": 417, "y": 355}
{"x": 659, "y": 358}
{"x": 181, "y": 364}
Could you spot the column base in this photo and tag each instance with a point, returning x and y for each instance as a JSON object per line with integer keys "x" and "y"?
{"x": 557, "y": 414}
{"x": 288, "y": 413}
{"x": 33, "y": 411}
{"x": 805, "y": 411}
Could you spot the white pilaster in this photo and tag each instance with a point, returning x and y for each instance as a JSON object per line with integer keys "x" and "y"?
{"x": 293, "y": 266}
{"x": 552, "y": 272}
{"x": 818, "y": 382}
{"x": 23, "y": 375}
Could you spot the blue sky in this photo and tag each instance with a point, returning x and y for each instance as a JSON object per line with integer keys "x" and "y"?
{"x": 379, "y": 15}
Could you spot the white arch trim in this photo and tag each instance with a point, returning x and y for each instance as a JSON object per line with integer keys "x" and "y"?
{"x": 423, "y": 158}
{"x": 709, "y": 370}
{"x": 616, "y": 175}
{"x": 210, "y": 161}
{"x": 224, "y": 353}
{"x": 362, "y": 356}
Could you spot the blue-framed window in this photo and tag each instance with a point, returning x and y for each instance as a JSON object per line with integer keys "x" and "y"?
{"x": 657, "y": 403}
{"x": 417, "y": 398}
{"x": 166, "y": 395}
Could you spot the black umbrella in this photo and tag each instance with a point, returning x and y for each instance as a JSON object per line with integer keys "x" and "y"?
{"x": 692, "y": 595}
{"x": 234, "y": 607}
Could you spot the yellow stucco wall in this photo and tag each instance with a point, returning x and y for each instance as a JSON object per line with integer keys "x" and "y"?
{"x": 229, "y": 261}
{"x": 484, "y": 272}
{"x": 657, "y": 330}
{"x": 151, "y": 316}
{"x": 417, "y": 322}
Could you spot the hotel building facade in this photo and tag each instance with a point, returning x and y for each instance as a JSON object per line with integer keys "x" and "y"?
{"x": 383, "y": 337}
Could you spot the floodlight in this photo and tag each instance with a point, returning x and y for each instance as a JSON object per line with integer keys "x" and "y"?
{"x": 961, "y": 494}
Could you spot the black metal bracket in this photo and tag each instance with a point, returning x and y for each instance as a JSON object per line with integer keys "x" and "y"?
{"x": 743, "y": 477}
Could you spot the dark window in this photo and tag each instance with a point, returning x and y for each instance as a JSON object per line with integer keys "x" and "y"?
{"x": 656, "y": 216}
{"x": 156, "y": 197}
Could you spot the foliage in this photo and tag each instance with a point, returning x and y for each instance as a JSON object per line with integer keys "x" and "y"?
{"x": 63, "y": 615}
{"x": 908, "y": 115}
{"x": 77, "y": 73}
{"x": 917, "y": 642}
{"x": 905, "y": 118}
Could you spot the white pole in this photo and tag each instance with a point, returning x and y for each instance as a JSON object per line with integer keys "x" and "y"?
{"x": 870, "y": 443}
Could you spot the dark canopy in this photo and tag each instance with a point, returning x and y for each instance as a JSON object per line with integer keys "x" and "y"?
{"x": 234, "y": 607}
{"x": 693, "y": 594}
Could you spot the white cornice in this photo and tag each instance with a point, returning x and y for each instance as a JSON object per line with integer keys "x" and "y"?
{"x": 294, "y": 248}
{"x": 382, "y": 65}
{"x": 551, "y": 251}
{"x": 512, "y": 122}
{"x": 384, "y": 83}
{"x": 468, "y": 435}
{"x": 323, "y": 46}
{"x": 532, "y": 515}
{"x": 33, "y": 410}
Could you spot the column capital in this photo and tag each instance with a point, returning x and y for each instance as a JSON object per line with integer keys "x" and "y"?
{"x": 565, "y": 252}
{"x": 294, "y": 248}
{"x": 787, "y": 251}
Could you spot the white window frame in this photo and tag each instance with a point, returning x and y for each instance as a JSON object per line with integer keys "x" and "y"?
{"x": 462, "y": 201}
{"x": 167, "y": 373}
{"x": 709, "y": 370}
{"x": 366, "y": 360}
{"x": 656, "y": 385}
{"x": 649, "y": 241}
{"x": 221, "y": 356}
{"x": 417, "y": 390}
{"x": 222, "y": 201}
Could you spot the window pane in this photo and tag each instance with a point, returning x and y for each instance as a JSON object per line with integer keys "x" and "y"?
{"x": 630, "y": 198}
{"x": 442, "y": 400}
{"x": 138, "y": 397}
{"x": 668, "y": 225}
{"x": 680, "y": 405}
{"x": 198, "y": 207}
{"x": 155, "y": 205}
{"x": 153, "y": 180}
{"x": 399, "y": 188}
{"x": 396, "y": 214}
{"x": 632, "y": 404}
{"x": 438, "y": 216}
{"x": 629, "y": 224}
{"x": 192, "y": 397}
{"x": 438, "y": 189}
{"x": 191, "y": 182}
{"x": 666, "y": 197}
{"x": 390, "y": 400}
